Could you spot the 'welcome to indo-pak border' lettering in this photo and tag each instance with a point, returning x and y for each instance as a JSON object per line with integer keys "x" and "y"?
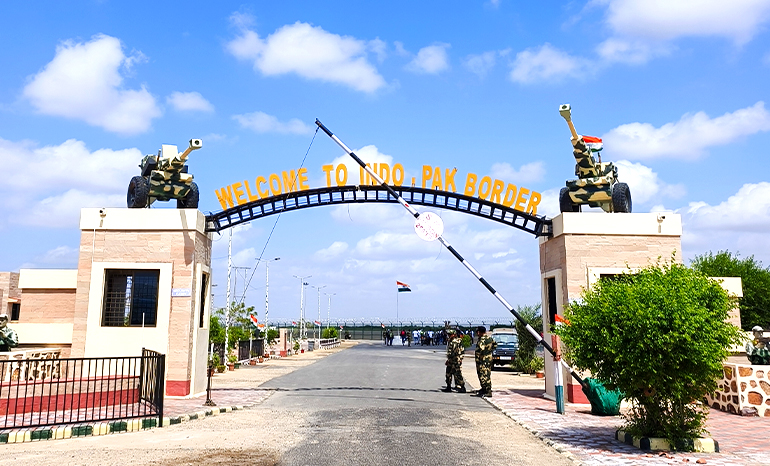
{"x": 487, "y": 188}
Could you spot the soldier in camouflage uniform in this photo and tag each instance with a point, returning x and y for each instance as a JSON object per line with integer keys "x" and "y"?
{"x": 454, "y": 362}
{"x": 484, "y": 347}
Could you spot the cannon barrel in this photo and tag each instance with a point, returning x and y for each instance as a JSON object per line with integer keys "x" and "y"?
{"x": 194, "y": 145}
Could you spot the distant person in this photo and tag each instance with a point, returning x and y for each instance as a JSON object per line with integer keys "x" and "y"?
{"x": 403, "y": 337}
{"x": 8, "y": 338}
{"x": 454, "y": 363}
{"x": 484, "y": 347}
{"x": 757, "y": 349}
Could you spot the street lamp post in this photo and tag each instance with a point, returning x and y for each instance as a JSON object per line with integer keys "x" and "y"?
{"x": 302, "y": 285}
{"x": 267, "y": 284}
{"x": 317, "y": 327}
{"x": 329, "y": 311}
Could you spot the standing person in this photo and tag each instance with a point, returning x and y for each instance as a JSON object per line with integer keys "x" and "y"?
{"x": 403, "y": 337}
{"x": 484, "y": 347}
{"x": 454, "y": 363}
{"x": 8, "y": 338}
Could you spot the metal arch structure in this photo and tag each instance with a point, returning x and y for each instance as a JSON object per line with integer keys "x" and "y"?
{"x": 243, "y": 213}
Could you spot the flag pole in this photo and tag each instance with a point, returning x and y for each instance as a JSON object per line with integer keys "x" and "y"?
{"x": 538, "y": 338}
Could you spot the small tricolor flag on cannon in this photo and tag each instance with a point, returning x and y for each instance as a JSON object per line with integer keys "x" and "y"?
{"x": 402, "y": 286}
{"x": 593, "y": 143}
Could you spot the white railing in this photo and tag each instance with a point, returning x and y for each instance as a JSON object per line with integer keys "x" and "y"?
{"x": 328, "y": 343}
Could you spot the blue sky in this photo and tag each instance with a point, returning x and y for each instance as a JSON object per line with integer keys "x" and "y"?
{"x": 677, "y": 90}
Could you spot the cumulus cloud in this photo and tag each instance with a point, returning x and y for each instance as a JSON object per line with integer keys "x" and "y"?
{"x": 335, "y": 250}
{"x": 527, "y": 173}
{"x": 84, "y": 81}
{"x": 369, "y": 154}
{"x": 661, "y": 20}
{"x": 482, "y": 63}
{"x": 432, "y": 59}
{"x": 645, "y": 184}
{"x": 748, "y": 210}
{"x": 309, "y": 52}
{"x": 189, "y": 102}
{"x": 689, "y": 138}
{"x": 263, "y": 123}
{"x": 544, "y": 63}
{"x": 41, "y": 193}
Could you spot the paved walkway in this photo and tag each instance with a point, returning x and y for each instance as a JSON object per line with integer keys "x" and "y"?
{"x": 587, "y": 439}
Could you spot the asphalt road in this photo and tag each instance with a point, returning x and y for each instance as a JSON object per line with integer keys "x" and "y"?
{"x": 366, "y": 405}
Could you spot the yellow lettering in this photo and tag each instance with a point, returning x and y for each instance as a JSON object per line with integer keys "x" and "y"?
{"x": 534, "y": 200}
{"x": 485, "y": 181}
{"x": 265, "y": 193}
{"x": 449, "y": 179}
{"x": 289, "y": 181}
{"x": 437, "y": 183}
{"x": 328, "y": 170}
{"x": 275, "y": 184}
{"x": 521, "y": 199}
{"x": 398, "y": 174}
{"x": 510, "y": 195}
{"x": 341, "y": 181}
{"x": 225, "y": 197}
{"x": 384, "y": 172}
{"x": 427, "y": 172}
{"x": 497, "y": 188}
{"x": 470, "y": 184}
{"x": 361, "y": 173}
{"x": 302, "y": 176}
{"x": 248, "y": 192}
{"x": 413, "y": 181}
{"x": 238, "y": 190}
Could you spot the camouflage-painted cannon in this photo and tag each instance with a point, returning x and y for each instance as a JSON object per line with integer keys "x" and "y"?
{"x": 164, "y": 177}
{"x": 597, "y": 183}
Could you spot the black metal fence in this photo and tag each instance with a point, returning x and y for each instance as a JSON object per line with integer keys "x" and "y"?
{"x": 48, "y": 392}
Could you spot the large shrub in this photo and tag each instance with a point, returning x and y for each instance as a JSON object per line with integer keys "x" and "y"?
{"x": 660, "y": 337}
{"x": 755, "y": 303}
{"x": 526, "y": 359}
{"x": 330, "y": 332}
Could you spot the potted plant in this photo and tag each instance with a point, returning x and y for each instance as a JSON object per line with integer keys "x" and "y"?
{"x": 296, "y": 347}
{"x": 231, "y": 361}
{"x": 221, "y": 368}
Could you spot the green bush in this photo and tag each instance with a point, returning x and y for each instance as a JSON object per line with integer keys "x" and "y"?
{"x": 527, "y": 360}
{"x": 330, "y": 332}
{"x": 660, "y": 337}
{"x": 466, "y": 341}
{"x": 527, "y": 363}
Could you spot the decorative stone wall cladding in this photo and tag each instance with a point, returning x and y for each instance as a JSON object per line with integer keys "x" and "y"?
{"x": 743, "y": 386}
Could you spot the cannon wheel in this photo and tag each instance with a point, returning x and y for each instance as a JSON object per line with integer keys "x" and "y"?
{"x": 565, "y": 202}
{"x": 190, "y": 201}
{"x": 621, "y": 198}
{"x": 138, "y": 193}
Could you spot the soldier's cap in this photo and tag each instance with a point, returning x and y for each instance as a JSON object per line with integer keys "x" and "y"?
{"x": 755, "y": 328}
{"x": 4, "y": 316}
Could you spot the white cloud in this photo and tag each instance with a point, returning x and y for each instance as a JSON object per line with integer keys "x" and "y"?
{"x": 263, "y": 123}
{"x": 748, "y": 210}
{"x": 689, "y": 138}
{"x": 61, "y": 256}
{"x": 661, "y": 20}
{"x": 370, "y": 155}
{"x": 630, "y": 52}
{"x": 310, "y": 52}
{"x": 336, "y": 249}
{"x": 645, "y": 184}
{"x": 480, "y": 64}
{"x": 189, "y": 101}
{"x": 527, "y": 173}
{"x": 545, "y": 63}
{"x": 41, "y": 192}
{"x": 432, "y": 59}
{"x": 84, "y": 82}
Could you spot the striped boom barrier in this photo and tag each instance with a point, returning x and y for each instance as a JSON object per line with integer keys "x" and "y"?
{"x": 449, "y": 247}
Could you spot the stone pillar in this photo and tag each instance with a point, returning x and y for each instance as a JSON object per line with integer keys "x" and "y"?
{"x": 172, "y": 242}
{"x": 586, "y": 246}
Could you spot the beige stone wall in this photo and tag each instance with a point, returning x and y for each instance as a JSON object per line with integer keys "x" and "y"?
{"x": 9, "y": 289}
{"x": 47, "y": 306}
{"x": 150, "y": 236}
{"x": 743, "y": 386}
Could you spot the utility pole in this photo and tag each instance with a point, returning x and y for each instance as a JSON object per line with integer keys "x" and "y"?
{"x": 227, "y": 304}
{"x": 329, "y": 311}
{"x": 318, "y": 327}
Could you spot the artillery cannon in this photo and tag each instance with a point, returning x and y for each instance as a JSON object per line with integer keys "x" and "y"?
{"x": 164, "y": 177}
{"x": 597, "y": 182}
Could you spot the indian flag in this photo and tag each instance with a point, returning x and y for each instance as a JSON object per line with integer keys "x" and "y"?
{"x": 253, "y": 319}
{"x": 317, "y": 323}
{"x": 593, "y": 143}
{"x": 402, "y": 287}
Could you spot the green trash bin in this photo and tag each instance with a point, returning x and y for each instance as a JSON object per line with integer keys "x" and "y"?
{"x": 603, "y": 402}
